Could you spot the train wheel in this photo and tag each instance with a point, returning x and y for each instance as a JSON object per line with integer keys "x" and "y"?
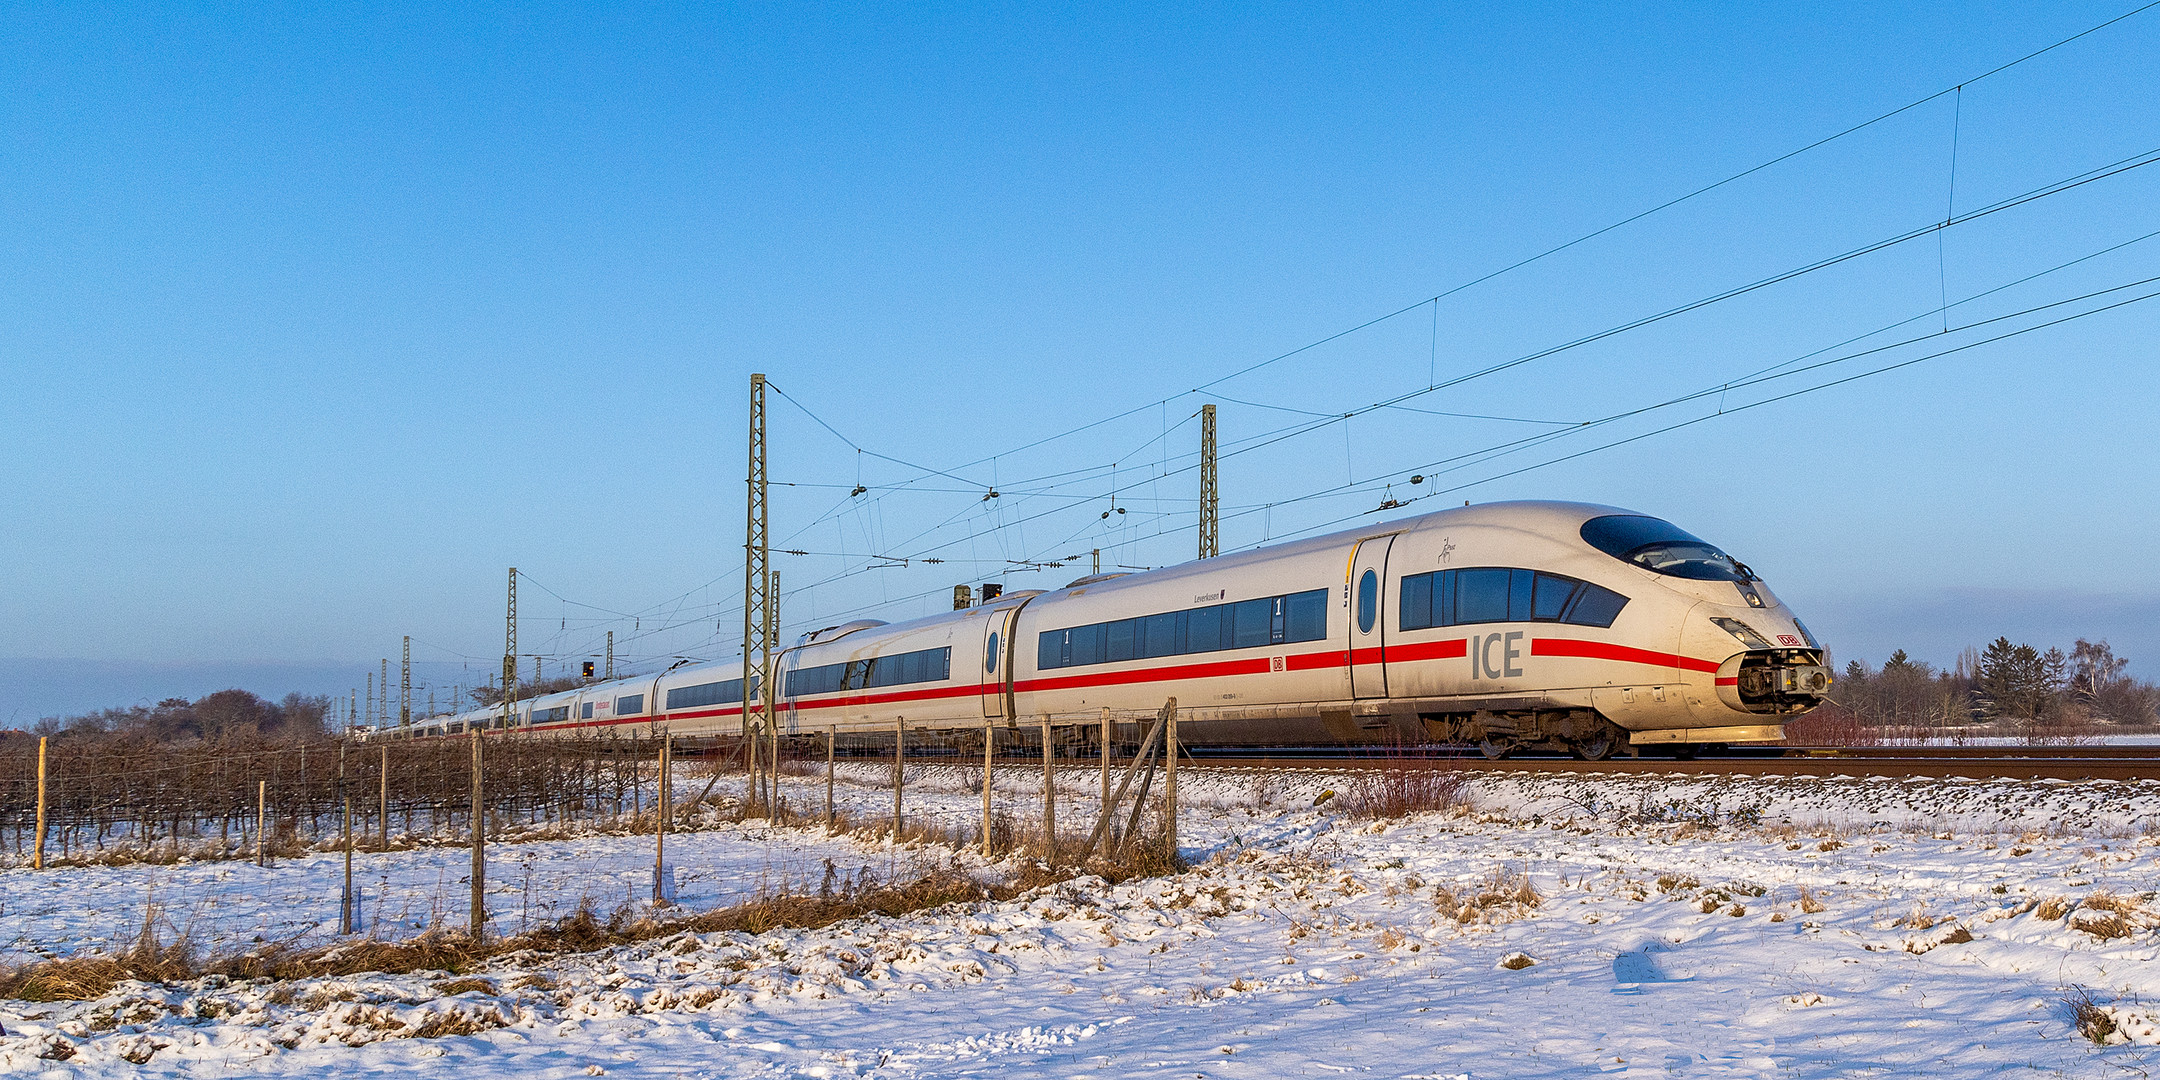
{"x": 1494, "y": 750}
{"x": 1595, "y": 748}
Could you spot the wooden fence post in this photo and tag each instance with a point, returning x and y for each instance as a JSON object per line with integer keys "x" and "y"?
{"x": 989, "y": 741}
{"x": 345, "y": 920}
{"x": 753, "y": 779}
{"x": 773, "y": 774}
{"x": 262, "y": 821}
{"x": 382, "y": 798}
{"x": 899, "y": 773}
{"x": 1170, "y": 753}
{"x": 37, "y": 858}
{"x": 667, "y": 811}
{"x": 1049, "y": 813}
{"x": 477, "y": 915}
{"x": 832, "y": 735}
{"x": 1140, "y": 762}
{"x": 1106, "y": 758}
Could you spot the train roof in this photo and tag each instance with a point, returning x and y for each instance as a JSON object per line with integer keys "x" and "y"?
{"x": 1543, "y": 516}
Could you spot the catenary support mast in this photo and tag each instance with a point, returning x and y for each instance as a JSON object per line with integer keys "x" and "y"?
{"x": 757, "y": 583}
{"x": 1210, "y": 545}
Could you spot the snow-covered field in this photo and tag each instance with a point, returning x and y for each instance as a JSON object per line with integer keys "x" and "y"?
{"x": 1723, "y": 926}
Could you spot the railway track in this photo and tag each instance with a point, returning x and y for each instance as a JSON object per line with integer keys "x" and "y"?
{"x": 2119, "y": 763}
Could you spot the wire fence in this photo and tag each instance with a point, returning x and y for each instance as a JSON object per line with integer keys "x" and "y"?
{"x": 118, "y": 791}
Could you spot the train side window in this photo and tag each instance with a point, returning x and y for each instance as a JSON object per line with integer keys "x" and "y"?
{"x": 1553, "y": 594}
{"x": 1089, "y": 643}
{"x": 1203, "y": 629}
{"x": 585, "y": 711}
{"x": 1444, "y": 598}
{"x": 1252, "y": 623}
{"x": 1520, "y": 584}
{"x": 1368, "y": 601}
{"x": 1305, "y": 616}
{"x": 1594, "y": 605}
{"x": 1159, "y": 636}
{"x": 1275, "y": 630}
{"x": 1121, "y": 644}
{"x": 1415, "y": 605}
{"x": 940, "y": 665}
{"x": 690, "y": 697}
{"x": 1049, "y": 650}
{"x": 634, "y": 704}
{"x": 1481, "y": 596}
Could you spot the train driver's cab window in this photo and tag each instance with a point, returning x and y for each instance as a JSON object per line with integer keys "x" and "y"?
{"x": 1662, "y": 547}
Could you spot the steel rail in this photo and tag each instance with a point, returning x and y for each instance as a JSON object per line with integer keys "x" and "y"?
{"x": 1974, "y": 768}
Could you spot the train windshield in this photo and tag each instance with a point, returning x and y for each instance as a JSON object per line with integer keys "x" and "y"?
{"x": 1663, "y": 547}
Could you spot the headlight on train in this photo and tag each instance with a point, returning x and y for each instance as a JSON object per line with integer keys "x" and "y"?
{"x": 1742, "y": 631}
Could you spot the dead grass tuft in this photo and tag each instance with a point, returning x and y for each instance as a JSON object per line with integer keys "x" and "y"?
{"x": 2106, "y": 926}
{"x": 1808, "y": 903}
{"x": 1676, "y": 883}
{"x": 2054, "y": 907}
{"x": 1404, "y": 790}
{"x": 2109, "y": 901}
{"x": 2093, "y": 1021}
{"x": 1502, "y": 896}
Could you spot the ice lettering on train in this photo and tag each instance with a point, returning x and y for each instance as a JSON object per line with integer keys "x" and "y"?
{"x": 1507, "y": 646}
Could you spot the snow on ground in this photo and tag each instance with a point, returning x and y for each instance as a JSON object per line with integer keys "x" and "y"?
{"x": 1722, "y": 926}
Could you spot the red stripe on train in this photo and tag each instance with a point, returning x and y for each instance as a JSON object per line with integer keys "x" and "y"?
{"x": 1599, "y": 650}
{"x": 1408, "y": 652}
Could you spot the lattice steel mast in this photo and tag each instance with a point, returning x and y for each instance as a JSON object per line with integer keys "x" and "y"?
{"x": 509, "y": 694}
{"x": 1210, "y": 544}
{"x": 757, "y": 579}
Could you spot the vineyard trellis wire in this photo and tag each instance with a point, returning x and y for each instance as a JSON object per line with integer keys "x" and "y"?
{"x": 108, "y": 790}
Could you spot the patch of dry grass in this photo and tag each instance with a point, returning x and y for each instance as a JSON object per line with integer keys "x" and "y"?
{"x": 1404, "y": 790}
{"x": 85, "y": 978}
{"x": 1502, "y": 896}
{"x": 2093, "y": 1021}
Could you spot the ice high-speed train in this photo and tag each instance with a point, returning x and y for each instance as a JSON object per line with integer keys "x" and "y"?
{"x": 1518, "y": 625}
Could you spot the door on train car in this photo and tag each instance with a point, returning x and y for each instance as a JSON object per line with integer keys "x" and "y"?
{"x": 1368, "y": 617}
{"x": 997, "y": 647}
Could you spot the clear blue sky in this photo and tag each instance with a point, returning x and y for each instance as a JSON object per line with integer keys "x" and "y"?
{"x": 314, "y": 320}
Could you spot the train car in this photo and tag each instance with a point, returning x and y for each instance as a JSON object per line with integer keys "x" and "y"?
{"x": 1518, "y": 625}
{"x": 1556, "y": 626}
